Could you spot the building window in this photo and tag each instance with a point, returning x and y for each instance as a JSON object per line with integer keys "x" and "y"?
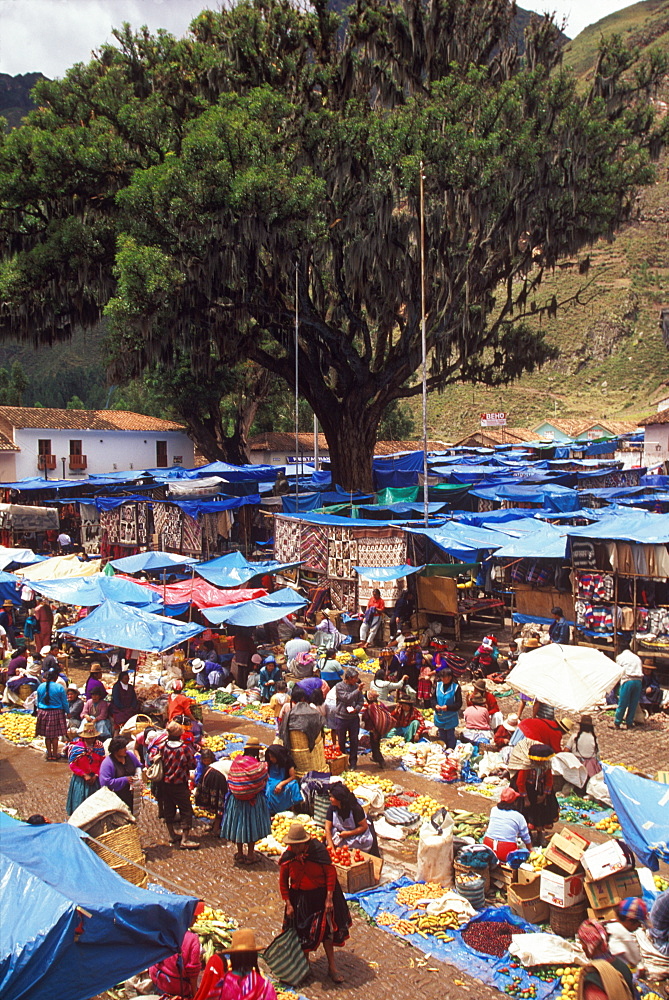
{"x": 161, "y": 454}
{"x": 44, "y": 447}
{"x": 75, "y": 448}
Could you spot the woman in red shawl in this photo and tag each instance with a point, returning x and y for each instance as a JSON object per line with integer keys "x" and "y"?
{"x": 314, "y": 899}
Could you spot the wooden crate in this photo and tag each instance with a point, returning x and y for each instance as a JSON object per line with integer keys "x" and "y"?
{"x": 358, "y": 876}
{"x": 338, "y": 764}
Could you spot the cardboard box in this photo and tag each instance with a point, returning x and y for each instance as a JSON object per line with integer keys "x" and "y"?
{"x": 609, "y": 891}
{"x": 559, "y": 889}
{"x": 526, "y": 902}
{"x": 361, "y": 875}
{"x": 566, "y": 850}
{"x": 602, "y": 860}
{"x": 663, "y": 777}
{"x": 606, "y": 913}
{"x": 504, "y": 874}
{"x": 528, "y": 876}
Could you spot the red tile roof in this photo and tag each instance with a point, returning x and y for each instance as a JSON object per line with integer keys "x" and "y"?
{"x": 46, "y": 418}
{"x": 285, "y": 441}
{"x": 656, "y": 418}
{"x": 6, "y": 444}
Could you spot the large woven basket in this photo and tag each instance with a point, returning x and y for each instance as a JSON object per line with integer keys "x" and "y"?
{"x": 123, "y": 840}
{"x": 339, "y": 764}
{"x": 566, "y": 920}
{"x": 131, "y": 873}
{"x": 305, "y": 759}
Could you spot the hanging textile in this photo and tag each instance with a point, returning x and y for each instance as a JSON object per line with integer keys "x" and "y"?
{"x": 191, "y": 535}
{"x": 314, "y": 547}
{"x": 128, "y": 524}
{"x": 287, "y": 535}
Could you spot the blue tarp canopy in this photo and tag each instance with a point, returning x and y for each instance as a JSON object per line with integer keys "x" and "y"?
{"x": 46, "y": 874}
{"x": 642, "y": 807}
{"x": 114, "y": 624}
{"x": 545, "y": 543}
{"x": 639, "y": 526}
{"x": 18, "y": 557}
{"x": 234, "y": 473}
{"x": 383, "y": 574}
{"x": 463, "y": 541}
{"x": 259, "y": 611}
{"x": 234, "y": 570}
{"x": 147, "y": 562}
{"x": 89, "y": 591}
{"x": 8, "y": 585}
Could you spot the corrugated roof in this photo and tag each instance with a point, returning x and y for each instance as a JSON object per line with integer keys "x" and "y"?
{"x": 6, "y": 444}
{"x": 48, "y": 418}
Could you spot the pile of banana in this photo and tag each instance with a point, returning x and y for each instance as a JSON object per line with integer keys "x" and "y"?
{"x": 436, "y": 925}
{"x": 214, "y": 930}
{"x": 469, "y": 824}
{"x": 538, "y": 860}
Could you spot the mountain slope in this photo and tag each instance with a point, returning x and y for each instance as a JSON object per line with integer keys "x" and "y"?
{"x": 642, "y": 25}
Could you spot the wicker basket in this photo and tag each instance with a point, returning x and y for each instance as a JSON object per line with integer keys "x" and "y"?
{"x": 338, "y": 764}
{"x": 306, "y": 759}
{"x": 123, "y": 840}
{"x": 24, "y": 691}
{"x": 566, "y": 920}
{"x": 484, "y": 873}
{"x": 131, "y": 873}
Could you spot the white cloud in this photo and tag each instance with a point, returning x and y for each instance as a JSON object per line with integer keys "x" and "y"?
{"x": 578, "y": 14}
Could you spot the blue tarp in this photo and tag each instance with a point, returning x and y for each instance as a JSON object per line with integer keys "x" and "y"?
{"x": 304, "y": 502}
{"x": 383, "y": 574}
{"x": 234, "y": 473}
{"x": 546, "y": 543}
{"x": 485, "y": 968}
{"x": 520, "y": 619}
{"x": 149, "y": 562}
{"x": 463, "y": 541}
{"x": 51, "y": 949}
{"x": 640, "y": 526}
{"x": 250, "y": 614}
{"x": 234, "y": 570}
{"x": 89, "y": 591}
{"x": 642, "y": 807}
{"x": 8, "y": 591}
{"x": 411, "y": 461}
{"x": 18, "y": 557}
{"x": 115, "y": 624}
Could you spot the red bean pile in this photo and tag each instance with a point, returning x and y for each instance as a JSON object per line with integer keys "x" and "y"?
{"x": 490, "y": 937}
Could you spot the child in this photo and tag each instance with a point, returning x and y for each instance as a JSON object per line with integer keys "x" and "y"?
{"x": 485, "y": 658}
{"x": 278, "y": 700}
{"x": 425, "y": 683}
{"x": 631, "y": 914}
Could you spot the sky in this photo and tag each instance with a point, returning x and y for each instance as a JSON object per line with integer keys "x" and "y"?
{"x": 51, "y": 35}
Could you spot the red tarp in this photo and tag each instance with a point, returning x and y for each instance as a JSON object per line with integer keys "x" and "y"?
{"x": 199, "y": 593}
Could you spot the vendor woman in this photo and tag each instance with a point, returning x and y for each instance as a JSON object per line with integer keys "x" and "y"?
{"x": 507, "y": 826}
{"x": 534, "y": 782}
{"x": 346, "y": 824}
{"x": 282, "y": 789}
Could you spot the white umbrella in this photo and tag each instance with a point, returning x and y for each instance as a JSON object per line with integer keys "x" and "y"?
{"x": 571, "y": 678}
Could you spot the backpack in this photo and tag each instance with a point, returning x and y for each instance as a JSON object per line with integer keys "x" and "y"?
{"x": 247, "y": 778}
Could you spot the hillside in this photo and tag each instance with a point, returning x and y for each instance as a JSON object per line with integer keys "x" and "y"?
{"x": 15, "y": 101}
{"x": 643, "y": 25}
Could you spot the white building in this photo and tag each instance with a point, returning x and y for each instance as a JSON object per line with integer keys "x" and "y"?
{"x": 656, "y": 438}
{"x": 73, "y": 444}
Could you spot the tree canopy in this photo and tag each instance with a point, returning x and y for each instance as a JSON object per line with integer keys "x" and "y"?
{"x": 196, "y": 190}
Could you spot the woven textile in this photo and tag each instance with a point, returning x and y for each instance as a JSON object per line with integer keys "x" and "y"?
{"x": 168, "y": 524}
{"x": 383, "y": 547}
{"x": 314, "y": 547}
{"x": 287, "y": 536}
{"x": 342, "y": 554}
{"x": 142, "y": 510}
{"x": 191, "y": 535}
{"x": 109, "y": 522}
{"x": 128, "y": 524}
{"x": 343, "y": 595}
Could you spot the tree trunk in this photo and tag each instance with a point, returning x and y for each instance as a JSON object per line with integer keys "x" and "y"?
{"x": 214, "y": 445}
{"x": 350, "y": 430}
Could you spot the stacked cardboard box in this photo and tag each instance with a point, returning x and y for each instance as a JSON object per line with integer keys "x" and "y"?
{"x": 562, "y": 881}
{"x": 609, "y": 879}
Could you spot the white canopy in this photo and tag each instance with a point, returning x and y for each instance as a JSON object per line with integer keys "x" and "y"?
{"x": 571, "y": 678}
{"x": 59, "y": 568}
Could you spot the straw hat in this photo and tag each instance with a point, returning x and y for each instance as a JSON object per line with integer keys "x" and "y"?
{"x": 197, "y": 665}
{"x": 8, "y": 604}
{"x": 73, "y": 687}
{"x": 566, "y": 725}
{"x": 45, "y": 650}
{"x": 480, "y": 685}
{"x": 252, "y": 741}
{"x": 511, "y": 723}
{"x": 89, "y": 732}
{"x": 296, "y": 834}
{"x": 243, "y": 940}
{"x": 328, "y": 612}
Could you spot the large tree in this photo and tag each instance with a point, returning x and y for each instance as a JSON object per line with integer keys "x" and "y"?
{"x": 199, "y": 191}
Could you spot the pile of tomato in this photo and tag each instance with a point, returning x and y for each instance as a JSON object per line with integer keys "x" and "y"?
{"x": 345, "y": 857}
{"x": 332, "y": 753}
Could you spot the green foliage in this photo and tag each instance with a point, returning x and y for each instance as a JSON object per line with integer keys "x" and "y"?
{"x": 13, "y": 384}
{"x": 75, "y": 404}
{"x": 182, "y": 187}
{"x": 397, "y": 423}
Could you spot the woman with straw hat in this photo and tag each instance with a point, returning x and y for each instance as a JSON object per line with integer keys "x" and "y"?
{"x": 243, "y": 980}
{"x": 314, "y": 899}
{"x": 85, "y": 755}
{"x": 534, "y": 783}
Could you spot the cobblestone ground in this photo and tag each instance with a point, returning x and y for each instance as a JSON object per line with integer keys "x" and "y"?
{"x": 372, "y": 960}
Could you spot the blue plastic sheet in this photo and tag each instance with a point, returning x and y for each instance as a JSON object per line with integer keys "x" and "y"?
{"x": 8, "y": 591}
{"x": 90, "y": 591}
{"x": 234, "y": 570}
{"x": 485, "y": 968}
{"x": 145, "y": 562}
{"x": 642, "y": 807}
{"x": 381, "y": 574}
{"x": 259, "y": 611}
{"x": 120, "y": 625}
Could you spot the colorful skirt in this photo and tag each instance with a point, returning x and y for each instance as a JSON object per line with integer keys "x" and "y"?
{"x": 310, "y": 921}
{"x": 51, "y": 723}
{"x": 246, "y": 820}
{"x": 78, "y": 791}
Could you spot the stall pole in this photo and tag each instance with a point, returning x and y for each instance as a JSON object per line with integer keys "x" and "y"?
{"x": 297, "y": 389}
{"x": 423, "y": 341}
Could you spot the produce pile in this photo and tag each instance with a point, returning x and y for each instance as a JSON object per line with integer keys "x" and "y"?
{"x": 469, "y": 824}
{"x": 610, "y": 825}
{"x": 344, "y": 857}
{"x": 424, "y": 806}
{"x": 409, "y": 895}
{"x": 352, "y": 779}
{"x": 333, "y": 753}
{"x": 491, "y": 937}
{"x": 515, "y": 988}
{"x": 17, "y": 727}
{"x": 424, "y": 758}
{"x": 568, "y": 981}
{"x": 661, "y": 883}
{"x": 214, "y": 930}
{"x": 222, "y": 741}
{"x": 281, "y": 823}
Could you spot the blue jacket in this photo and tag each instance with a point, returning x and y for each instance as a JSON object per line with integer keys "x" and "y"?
{"x": 559, "y": 632}
{"x": 449, "y": 700}
{"x": 57, "y": 696}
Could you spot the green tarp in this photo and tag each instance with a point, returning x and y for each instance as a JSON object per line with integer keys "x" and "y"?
{"x": 399, "y": 494}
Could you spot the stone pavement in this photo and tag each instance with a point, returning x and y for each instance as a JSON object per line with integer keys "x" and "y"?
{"x": 372, "y": 960}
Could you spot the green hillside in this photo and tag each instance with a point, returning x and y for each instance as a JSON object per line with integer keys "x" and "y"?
{"x": 642, "y": 25}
